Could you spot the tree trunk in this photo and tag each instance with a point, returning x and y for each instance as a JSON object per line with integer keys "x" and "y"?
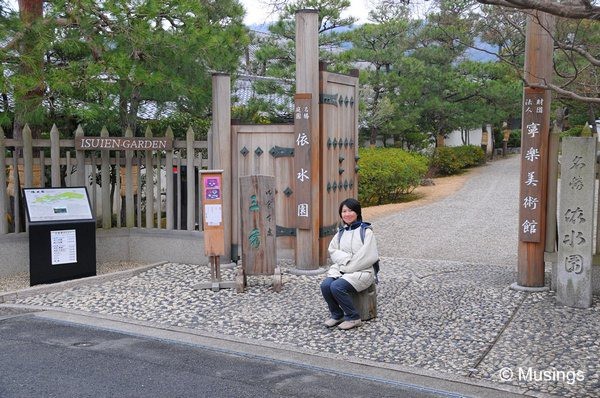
{"x": 132, "y": 116}
{"x": 373, "y": 139}
{"x": 440, "y": 140}
{"x": 123, "y": 106}
{"x": 28, "y": 99}
{"x": 128, "y": 107}
{"x": 5, "y": 102}
{"x": 592, "y": 117}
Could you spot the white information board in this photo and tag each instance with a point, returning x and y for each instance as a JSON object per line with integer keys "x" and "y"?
{"x": 63, "y": 245}
{"x": 213, "y": 214}
{"x": 57, "y": 204}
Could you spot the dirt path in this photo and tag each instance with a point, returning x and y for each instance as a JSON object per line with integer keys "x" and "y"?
{"x": 443, "y": 187}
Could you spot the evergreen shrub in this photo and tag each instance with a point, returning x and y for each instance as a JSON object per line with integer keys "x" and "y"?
{"x": 470, "y": 155}
{"x": 387, "y": 173}
{"x": 445, "y": 162}
{"x": 514, "y": 140}
{"x": 452, "y": 160}
{"x": 576, "y": 131}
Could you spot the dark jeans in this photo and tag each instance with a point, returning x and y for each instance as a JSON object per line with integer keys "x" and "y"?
{"x": 336, "y": 292}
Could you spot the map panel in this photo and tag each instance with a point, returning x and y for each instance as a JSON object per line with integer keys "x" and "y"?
{"x": 57, "y": 204}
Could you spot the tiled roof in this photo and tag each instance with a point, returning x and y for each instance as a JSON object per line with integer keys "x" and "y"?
{"x": 243, "y": 91}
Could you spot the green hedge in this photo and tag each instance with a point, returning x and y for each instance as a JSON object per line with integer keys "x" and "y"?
{"x": 387, "y": 173}
{"x": 470, "y": 155}
{"x": 577, "y": 131}
{"x": 514, "y": 140}
{"x": 451, "y": 160}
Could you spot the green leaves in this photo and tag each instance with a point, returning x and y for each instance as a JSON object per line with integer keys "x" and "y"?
{"x": 452, "y": 160}
{"x": 122, "y": 54}
{"x": 388, "y": 173}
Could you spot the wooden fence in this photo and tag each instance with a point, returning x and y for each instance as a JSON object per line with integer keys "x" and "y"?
{"x": 56, "y": 162}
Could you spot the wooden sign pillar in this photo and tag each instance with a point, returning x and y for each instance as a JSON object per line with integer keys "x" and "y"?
{"x": 307, "y": 83}
{"x": 534, "y": 152}
{"x": 303, "y": 172}
{"x": 211, "y": 185}
{"x": 220, "y": 151}
{"x": 576, "y": 222}
{"x": 259, "y": 256}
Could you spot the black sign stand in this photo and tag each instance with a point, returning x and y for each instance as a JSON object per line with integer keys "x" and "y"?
{"x": 60, "y": 249}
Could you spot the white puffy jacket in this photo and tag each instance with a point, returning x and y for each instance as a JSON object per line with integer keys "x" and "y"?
{"x": 352, "y": 259}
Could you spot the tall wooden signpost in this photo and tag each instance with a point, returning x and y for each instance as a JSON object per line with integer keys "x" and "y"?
{"x": 307, "y": 85}
{"x": 534, "y": 152}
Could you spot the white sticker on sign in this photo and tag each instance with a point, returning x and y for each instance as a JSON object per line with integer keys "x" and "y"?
{"x": 64, "y": 246}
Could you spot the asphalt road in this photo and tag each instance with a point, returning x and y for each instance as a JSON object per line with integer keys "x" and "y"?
{"x": 48, "y": 358}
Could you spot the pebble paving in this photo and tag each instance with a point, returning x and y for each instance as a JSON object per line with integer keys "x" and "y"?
{"x": 451, "y": 317}
{"x": 458, "y": 316}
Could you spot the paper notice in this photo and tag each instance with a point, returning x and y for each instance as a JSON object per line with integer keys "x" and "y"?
{"x": 213, "y": 214}
{"x": 64, "y": 246}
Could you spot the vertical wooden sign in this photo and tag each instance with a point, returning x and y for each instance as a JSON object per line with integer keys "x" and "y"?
{"x": 575, "y": 222}
{"x": 257, "y": 201}
{"x": 211, "y": 185}
{"x": 306, "y": 254}
{"x": 533, "y": 161}
{"x": 302, "y": 165}
{"x": 537, "y": 67}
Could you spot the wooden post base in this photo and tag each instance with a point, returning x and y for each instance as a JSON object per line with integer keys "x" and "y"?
{"x": 241, "y": 280}
{"x": 277, "y": 280}
{"x": 215, "y": 274}
{"x": 215, "y": 286}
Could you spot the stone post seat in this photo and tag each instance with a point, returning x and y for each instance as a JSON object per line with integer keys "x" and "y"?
{"x": 366, "y": 302}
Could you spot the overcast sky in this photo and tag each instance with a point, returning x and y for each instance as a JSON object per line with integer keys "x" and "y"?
{"x": 257, "y": 12}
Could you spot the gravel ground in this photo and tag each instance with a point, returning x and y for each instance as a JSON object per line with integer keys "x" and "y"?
{"x": 21, "y": 281}
{"x": 443, "y": 301}
{"x": 451, "y": 317}
{"x": 478, "y": 224}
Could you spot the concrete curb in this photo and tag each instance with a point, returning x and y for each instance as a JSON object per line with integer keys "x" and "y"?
{"x": 59, "y": 286}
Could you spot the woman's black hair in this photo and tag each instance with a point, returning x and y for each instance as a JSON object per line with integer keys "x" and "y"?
{"x": 353, "y": 205}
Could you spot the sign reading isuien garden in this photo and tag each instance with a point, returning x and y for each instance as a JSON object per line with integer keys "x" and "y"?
{"x": 123, "y": 143}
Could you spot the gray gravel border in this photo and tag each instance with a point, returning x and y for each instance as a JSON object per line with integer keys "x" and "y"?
{"x": 60, "y": 286}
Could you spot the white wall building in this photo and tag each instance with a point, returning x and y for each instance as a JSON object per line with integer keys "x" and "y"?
{"x": 473, "y": 137}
